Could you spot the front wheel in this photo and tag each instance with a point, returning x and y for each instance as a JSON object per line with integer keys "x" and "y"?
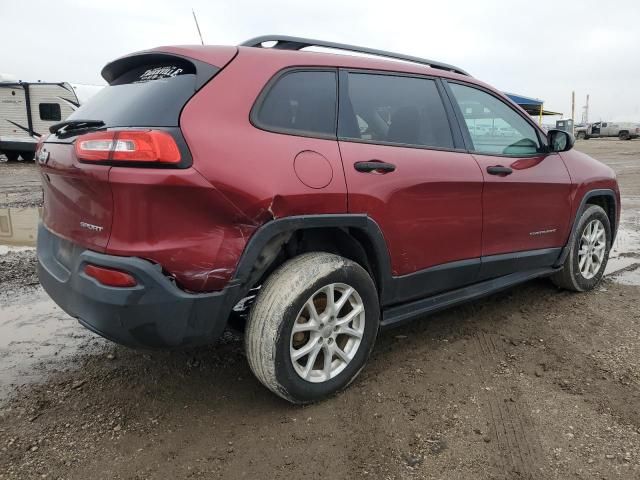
{"x": 312, "y": 327}
{"x": 589, "y": 247}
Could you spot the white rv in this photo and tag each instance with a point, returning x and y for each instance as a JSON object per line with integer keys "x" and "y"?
{"x": 27, "y": 110}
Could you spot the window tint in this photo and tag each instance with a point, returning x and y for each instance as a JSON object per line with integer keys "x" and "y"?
{"x": 302, "y": 102}
{"x": 50, "y": 111}
{"x": 394, "y": 109}
{"x": 495, "y": 128}
{"x": 148, "y": 95}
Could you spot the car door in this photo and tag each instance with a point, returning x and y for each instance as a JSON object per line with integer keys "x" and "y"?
{"x": 407, "y": 170}
{"x": 526, "y": 197}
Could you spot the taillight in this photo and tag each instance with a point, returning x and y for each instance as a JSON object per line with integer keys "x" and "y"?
{"x": 147, "y": 146}
{"x": 109, "y": 276}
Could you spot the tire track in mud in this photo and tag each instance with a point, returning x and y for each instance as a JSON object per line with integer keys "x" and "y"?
{"x": 518, "y": 448}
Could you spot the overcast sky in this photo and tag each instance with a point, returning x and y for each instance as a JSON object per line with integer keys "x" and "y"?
{"x": 542, "y": 49}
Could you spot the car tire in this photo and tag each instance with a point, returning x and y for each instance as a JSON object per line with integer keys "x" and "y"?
{"x": 583, "y": 269}
{"x": 581, "y": 136}
{"x": 624, "y": 136}
{"x": 12, "y": 156}
{"x": 276, "y": 353}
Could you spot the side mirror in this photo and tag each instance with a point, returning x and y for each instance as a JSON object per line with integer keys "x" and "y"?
{"x": 560, "y": 141}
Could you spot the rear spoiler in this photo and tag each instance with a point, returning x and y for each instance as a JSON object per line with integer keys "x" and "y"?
{"x": 115, "y": 69}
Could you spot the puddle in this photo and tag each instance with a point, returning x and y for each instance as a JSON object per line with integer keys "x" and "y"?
{"x": 624, "y": 259}
{"x": 626, "y": 248}
{"x": 629, "y": 277}
{"x": 34, "y": 334}
{"x": 18, "y": 228}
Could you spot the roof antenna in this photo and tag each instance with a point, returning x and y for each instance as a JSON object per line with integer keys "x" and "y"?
{"x": 197, "y": 26}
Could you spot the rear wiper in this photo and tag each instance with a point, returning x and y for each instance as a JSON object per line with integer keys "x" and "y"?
{"x": 68, "y": 126}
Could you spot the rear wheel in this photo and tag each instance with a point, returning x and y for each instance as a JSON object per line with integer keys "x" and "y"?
{"x": 312, "y": 327}
{"x": 584, "y": 266}
{"x": 624, "y": 135}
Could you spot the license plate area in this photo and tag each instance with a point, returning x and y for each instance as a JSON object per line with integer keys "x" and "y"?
{"x": 63, "y": 252}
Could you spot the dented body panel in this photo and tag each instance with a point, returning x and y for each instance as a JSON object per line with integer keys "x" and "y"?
{"x": 253, "y": 168}
{"x": 177, "y": 219}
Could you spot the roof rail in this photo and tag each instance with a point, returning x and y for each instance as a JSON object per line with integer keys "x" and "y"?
{"x": 284, "y": 42}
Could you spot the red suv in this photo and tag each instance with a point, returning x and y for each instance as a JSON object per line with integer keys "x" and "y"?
{"x": 317, "y": 197}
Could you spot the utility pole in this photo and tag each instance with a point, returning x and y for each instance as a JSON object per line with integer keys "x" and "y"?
{"x": 197, "y": 26}
{"x": 585, "y": 114}
{"x": 573, "y": 112}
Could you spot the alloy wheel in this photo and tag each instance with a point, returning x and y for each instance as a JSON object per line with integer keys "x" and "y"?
{"x": 327, "y": 332}
{"x": 593, "y": 244}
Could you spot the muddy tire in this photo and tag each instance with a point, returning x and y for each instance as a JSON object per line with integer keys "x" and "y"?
{"x": 581, "y": 136}
{"x": 333, "y": 305}
{"x": 584, "y": 266}
{"x": 624, "y": 135}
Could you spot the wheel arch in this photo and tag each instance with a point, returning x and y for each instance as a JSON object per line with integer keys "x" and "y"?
{"x": 605, "y": 198}
{"x": 354, "y": 236}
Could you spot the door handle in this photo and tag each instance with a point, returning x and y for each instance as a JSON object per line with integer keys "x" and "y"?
{"x": 374, "y": 166}
{"x": 499, "y": 170}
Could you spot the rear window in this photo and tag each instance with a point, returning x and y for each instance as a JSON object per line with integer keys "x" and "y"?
{"x": 391, "y": 109}
{"x": 148, "y": 95}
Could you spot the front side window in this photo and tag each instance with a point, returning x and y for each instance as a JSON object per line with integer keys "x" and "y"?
{"x": 50, "y": 112}
{"x": 395, "y": 110}
{"x": 301, "y": 102}
{"x": 495, "y": 128}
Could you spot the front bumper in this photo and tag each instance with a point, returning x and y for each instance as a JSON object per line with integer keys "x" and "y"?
{"x": 155, "y": 313}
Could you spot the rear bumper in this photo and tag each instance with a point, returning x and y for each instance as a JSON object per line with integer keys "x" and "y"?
{"x": 155, "y": 313}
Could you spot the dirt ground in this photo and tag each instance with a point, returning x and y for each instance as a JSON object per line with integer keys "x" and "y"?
{"x": 533, "y": 383}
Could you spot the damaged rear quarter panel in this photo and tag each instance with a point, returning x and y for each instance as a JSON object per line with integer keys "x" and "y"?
{"x": 196, "y": 222}
{"x": 178, "y": 220}
{"x": 254, "y": 169}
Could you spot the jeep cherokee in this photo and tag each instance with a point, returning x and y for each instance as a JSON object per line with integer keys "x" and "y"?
{"x": 309, "y": 198}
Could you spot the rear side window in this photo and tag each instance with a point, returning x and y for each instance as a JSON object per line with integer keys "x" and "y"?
{"x": 495, "y": 127}
{"x": 300, "y": 102}
{"x": 50, "y": 111}
{"x": 395, "y": 110}
{"x": 145, "y": 95}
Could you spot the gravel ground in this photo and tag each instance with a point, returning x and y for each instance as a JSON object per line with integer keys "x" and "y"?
{"x": 18, "y": 270}
{"x": 533, "y": 383}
